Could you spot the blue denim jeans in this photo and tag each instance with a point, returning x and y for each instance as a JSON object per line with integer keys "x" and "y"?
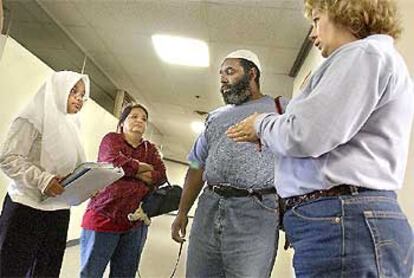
{"x": 233, "y": 237}
{"x": 122, "y": 250}
{"x": 362, "y": 235}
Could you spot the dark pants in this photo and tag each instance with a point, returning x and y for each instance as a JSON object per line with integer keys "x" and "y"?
{"x": 32, "y": 242}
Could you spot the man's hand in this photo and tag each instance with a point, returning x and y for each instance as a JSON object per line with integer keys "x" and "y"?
{"x": 144, "y": 167}
{"x": 244, "y": 131}
{"x": 179, "y": 228}
{"x": 54, "y": 188}
{"x": 192, "y": 187}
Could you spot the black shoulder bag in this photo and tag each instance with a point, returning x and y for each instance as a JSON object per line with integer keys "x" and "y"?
{"x": 164, "y": 199}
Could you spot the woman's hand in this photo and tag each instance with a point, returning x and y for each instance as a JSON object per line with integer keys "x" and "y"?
{"x": 54, "y": 188}
{"x": 146, "y": 177}
{"x": 145, "y": 173}
{"x": 144, "y": 167}
{"x": 244, "y": 131}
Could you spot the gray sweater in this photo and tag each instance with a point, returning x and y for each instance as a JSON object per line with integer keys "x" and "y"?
{"x": 223, "y": 160}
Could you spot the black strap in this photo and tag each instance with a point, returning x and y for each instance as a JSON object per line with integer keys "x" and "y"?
{"x": 178, "y": 259}
{"x": 176, "y": 263}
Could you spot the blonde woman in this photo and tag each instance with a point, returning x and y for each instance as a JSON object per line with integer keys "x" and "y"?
{"x": 42, "y": 146}
{"x": 343, "y": 146}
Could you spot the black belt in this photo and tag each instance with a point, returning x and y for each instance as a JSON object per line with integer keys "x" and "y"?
{"x": 343, "y": 189}
{"x": 228, "y": 191}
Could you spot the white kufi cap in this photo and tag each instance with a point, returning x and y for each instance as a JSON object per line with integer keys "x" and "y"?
{"x": 247, "y": 55}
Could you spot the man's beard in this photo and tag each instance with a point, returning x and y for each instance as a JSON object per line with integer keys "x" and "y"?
{"x": 238, "y": 93}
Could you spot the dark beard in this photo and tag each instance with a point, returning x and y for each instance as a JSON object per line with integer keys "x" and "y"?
{"x": 238, "y": 93}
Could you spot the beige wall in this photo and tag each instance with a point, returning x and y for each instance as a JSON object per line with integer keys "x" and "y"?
{"x": 405, "y": 44}
{"x": 308, "y": 67}
{"x": 2, "y": 43}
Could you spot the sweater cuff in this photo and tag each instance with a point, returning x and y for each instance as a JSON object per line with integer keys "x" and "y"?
{"x": 258, "y": 124}
{"x": 131, "y": 168}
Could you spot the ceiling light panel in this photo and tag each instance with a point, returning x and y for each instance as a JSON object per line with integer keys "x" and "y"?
{"x": 181, "y": 51}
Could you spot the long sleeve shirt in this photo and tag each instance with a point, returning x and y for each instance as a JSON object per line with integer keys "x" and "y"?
{"x": 20, "y": 161}
{"x": 350, "y": 125}
{"x": 108, "y": 210}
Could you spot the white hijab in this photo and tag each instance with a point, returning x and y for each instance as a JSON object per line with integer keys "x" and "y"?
{"x": 61, "y": 148}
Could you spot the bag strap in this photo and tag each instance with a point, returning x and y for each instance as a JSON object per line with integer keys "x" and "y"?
{"x": 176, "y": 263}
{"x": 178, "y": 259}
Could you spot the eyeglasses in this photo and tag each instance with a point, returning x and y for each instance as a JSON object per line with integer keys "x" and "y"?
{"x": 78, "y": 94}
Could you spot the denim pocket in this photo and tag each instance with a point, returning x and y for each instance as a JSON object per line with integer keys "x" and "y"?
{"x": 393, "y": 242}
{"x": 324, "y": 209}
{"x": 268, "y": 202}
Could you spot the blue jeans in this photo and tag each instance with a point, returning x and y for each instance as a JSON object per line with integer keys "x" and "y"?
{"x": 362, "y": 235}
{"x": 122, "y": 250}
{"x": 233, "y": 237}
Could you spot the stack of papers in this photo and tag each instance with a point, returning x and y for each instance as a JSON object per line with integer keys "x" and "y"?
{"x": 86, "y": 180}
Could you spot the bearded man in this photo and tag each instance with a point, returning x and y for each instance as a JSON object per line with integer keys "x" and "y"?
{"x": 235, "y": 227}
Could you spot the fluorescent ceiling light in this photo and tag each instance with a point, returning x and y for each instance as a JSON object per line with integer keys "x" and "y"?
{"x": 197, "y": 127}
{"x": 181, "y": 51}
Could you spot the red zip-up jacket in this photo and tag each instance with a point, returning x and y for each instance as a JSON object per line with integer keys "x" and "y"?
{"x": 107, "y": 211}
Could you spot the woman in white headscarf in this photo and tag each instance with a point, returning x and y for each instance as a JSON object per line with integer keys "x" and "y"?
{"x": 43, "y": 145}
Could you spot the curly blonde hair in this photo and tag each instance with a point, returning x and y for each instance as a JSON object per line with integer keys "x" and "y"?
{"x": 362, "y": 17}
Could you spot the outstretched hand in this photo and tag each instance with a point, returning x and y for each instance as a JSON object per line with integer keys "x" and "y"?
{"x": 244, "y": 131}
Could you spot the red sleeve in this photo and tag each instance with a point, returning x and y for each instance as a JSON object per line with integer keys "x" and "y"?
{"x": 110, "y": 151}
{"x": 159, "y": 175}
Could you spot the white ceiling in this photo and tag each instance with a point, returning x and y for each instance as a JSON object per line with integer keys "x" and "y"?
{"x": 116, "y": 35}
